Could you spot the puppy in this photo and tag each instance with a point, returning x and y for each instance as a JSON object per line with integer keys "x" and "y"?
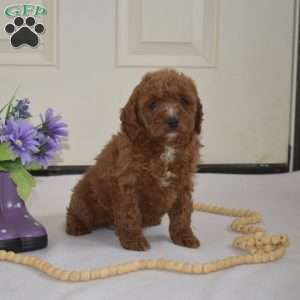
{"x": 146, "y": 170}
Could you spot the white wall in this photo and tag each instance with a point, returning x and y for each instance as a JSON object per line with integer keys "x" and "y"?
{"x": 94, "y": 52}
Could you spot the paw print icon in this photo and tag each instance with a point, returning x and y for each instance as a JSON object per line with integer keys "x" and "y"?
{"x": 24, "y": 31}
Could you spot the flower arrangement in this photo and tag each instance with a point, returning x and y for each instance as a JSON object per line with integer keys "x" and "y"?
{"x": 24, "y": 147}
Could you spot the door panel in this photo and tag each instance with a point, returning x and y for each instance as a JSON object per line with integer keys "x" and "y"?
{"x": 239, "y": 52}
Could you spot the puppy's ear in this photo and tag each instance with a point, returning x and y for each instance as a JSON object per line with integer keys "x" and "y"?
{"x": 129, "y": 119}
{"x": 199, "y": 116}
{"x": 199, "y": 109}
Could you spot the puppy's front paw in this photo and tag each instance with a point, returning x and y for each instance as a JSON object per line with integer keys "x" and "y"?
{"x": 137, "y": 244}
{"x": 185, "y": 239}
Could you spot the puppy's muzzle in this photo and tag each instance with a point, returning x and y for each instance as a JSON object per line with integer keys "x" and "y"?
{"x": 172, "y": 122}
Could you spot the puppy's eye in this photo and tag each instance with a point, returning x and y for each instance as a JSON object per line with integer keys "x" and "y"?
{"x": 184, "y": 100}
{"x": 152, "y": 104}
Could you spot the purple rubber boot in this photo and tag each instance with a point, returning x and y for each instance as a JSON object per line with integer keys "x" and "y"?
{"x": 19, "y": 231}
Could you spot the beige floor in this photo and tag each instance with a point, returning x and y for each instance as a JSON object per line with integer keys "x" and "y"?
{"x": 277, "y": 197}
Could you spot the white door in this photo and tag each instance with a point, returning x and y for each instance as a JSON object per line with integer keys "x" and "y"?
{"x": 92, "y": 54}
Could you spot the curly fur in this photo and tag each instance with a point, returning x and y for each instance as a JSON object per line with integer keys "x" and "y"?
{"x": 146, "y": 170}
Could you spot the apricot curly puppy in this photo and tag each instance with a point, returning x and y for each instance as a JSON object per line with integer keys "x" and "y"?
{"x": 146, "y": 169}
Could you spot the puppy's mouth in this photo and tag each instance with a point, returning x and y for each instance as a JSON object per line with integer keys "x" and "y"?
{"x": 171, "y": 136}
{"x": 172, "y": 127}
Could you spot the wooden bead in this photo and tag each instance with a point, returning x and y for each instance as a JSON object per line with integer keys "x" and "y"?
{"x": 220, "y": 265}
{"x": 258, "y": 242}
{"x": 57, "y": 273}
{"x": 123, "y": 268}
{"x": 143, "y": 263}
{"x": 18, "y": 259}
{"x": 97, "y": 273}
{"x": 64, "y": 275}
{"x": 30, "y": 260}
{"x": 38, "y": 264}
{"x": 160, "y": 263}
{"x": 275, "y": 239}
{"x": 226, "y": 212}
{"x": 10, "y": 255}
{"x": 257, "y": 258}
{"x": 93, "y": 275}
{"x": 118, "y": 269}
{"x": 227, "y": 262}
{"x": 173, "y": 265}
{"x": 284, "y": 239}
{"x": 258, "y": 234}
{"x": 218, "y": 209}
{"x": 248, "y": 259}
{"x": 206, "y": 268}
{"x": 137, "y": 266}
{"x": 3, "y": 254}
{"x": 85, "y": 276}
{"x": 168, "y": 264}
{"x": 104, "y": 273}
{"x": 198, "y": 268}
{"x": 74, "y": 276}
{"x": 178, "y": 266}
{"x": 24, "y": 260}
{"x": 112, "y": 271}
{"x": 238, "y": 260}
{"x": 251, "y": 242}
{"x": 266, "y": 240}
{"x": 151, "y": 264}
{"x": 187, "y": 268}
{"x": 44, "y": 266}
{"x": 265, "y": 258}
{"x": 50, "y": 270}
{"x": 280, "y": 251}
{"x": 35, "y": 263}
{"x": 268, "y": 248}
{"x": 272, "y": 256}
{"x": 128, "y": 267}
{"x": 212, "y": 266}
{"x": 240, "y": 212}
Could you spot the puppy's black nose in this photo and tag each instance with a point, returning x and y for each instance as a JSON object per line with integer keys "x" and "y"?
{"x": 172, "y": 122}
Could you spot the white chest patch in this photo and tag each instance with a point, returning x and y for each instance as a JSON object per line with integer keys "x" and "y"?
{"x": 165, "y": 180}
{"x": 167, "y": 157}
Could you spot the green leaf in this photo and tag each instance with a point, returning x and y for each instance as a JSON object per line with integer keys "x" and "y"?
{"x": 2, "y": 109}
{"x": 5, "y": 152}
{"x": 22, "y": 179}
{"x": 12, "y": 99}
{"x": 5, "y": 164}
{"x": 2, "y": 168}
{"x": 9, "y": 103}
{"x": 33, "y": 167}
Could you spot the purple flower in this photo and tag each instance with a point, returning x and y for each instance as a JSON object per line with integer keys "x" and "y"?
{"x": 51, "y": 125}
{"x": 21, "y": 137}
{"x": 20, "y": 110}
{"x": 46, "y": 150}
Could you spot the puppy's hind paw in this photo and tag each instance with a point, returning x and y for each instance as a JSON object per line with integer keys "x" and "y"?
{"x": 137, "y": 244}
{"x": 77, "y": 230}
{"x": 74, "y": 227}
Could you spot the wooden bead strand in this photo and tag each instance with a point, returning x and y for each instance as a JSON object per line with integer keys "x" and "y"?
{"x": 261, "y": 248}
